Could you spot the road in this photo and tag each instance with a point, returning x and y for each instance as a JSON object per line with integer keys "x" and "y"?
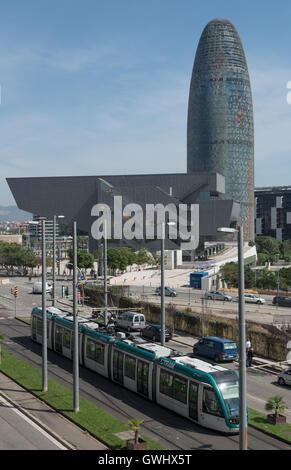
{"x": 171, "y": 430}
{"x": 164, "y": 426}
{"x": 19, "y": 432}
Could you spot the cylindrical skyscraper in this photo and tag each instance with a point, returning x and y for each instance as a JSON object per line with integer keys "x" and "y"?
{"x": 220, "y": 134}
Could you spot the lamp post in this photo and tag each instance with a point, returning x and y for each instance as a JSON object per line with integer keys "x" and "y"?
{"x": 54, "y": 257}
{"x": 242, "y": 339}
{"x": 44, "y": 319}
{"x": 163, "y": 321}
{"x": 75, "y": 316}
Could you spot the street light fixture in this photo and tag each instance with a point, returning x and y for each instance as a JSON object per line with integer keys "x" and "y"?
{"x": 163, "y": 322}
{"x": 54, "y": 258}
{"x": 242, "y": 339}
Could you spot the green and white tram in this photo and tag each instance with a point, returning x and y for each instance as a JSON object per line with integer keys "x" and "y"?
{"x": 204, "y": 393}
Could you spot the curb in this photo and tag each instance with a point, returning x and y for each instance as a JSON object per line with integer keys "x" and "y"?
{"x": 36, "y": 420}
{"x": 59, "y": 412}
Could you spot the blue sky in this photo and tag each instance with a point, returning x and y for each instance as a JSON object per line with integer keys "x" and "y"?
{"x": 101, "y": 86}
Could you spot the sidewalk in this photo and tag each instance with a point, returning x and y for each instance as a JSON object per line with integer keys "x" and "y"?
{"x": 63, "y": 430}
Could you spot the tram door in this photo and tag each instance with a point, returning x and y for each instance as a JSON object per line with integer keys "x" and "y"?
{"x": 118, "y": 359}
{"x": 193, "y": 401}
{"x": 59, "y": 339}
{"x": 143, "y": 378}
{"x": 34, "y": 320}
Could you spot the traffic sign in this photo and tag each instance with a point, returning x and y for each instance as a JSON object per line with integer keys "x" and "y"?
{"x": 82, "y": 278}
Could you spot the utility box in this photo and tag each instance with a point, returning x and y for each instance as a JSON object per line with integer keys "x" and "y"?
{"x": 196, "y": 279}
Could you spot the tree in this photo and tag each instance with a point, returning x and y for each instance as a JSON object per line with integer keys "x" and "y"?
{"x": 276, "y": 404}
{"x": 143, "y": 257}
{"x": 85, "y": 260}
{"x": 267, "y": 245}
{"x": 134, "y": 424}
{"x": 229, "y": 274}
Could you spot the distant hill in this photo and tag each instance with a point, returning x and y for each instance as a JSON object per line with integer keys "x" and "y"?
{"x": 13, "y": 214}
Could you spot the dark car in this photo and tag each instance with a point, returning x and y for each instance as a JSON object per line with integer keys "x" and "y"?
{"x": 153, "y": 332}
{"x": 168, "y": 291}
{"x": 282, "y": 301}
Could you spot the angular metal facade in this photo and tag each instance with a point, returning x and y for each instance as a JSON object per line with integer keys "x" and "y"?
{"x": 220, "y": 134}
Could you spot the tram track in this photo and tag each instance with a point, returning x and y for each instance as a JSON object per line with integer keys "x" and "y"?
{"x": 149, "y": 426}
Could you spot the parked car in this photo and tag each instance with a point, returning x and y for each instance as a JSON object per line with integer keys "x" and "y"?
{"x": 218, "y": 349}
{"x": 130, "y": 321}
{"x": 153, "y": 332}
{"x": 282, "y": 301}
{"x": 253, "y": 299}
{"x": 37, "y": 288}
{"x": 168, "y": 291}
{"x": 217, "y": 295}
{"x": 284, "y": 378}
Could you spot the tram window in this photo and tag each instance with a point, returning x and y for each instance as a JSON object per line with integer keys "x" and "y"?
{"x": 99, "y": 353}
{"x": 142, "y": 377}
{"x": 210, "y": 403}
{"x": 118, "y": 366}
{"x": 39, "y": 327}
{"x": 180, "y": 389}
{"x": 95, "y": 351}
{"x": 166, "y": 383}
{"x": 129, "y": 367}
{"x": 90, "y": 349}
{"x": 67, "y": 339}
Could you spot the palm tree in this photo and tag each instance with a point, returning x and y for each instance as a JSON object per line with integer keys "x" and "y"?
{"x": 134, "y": 424}
{"x": 276, "y": 404}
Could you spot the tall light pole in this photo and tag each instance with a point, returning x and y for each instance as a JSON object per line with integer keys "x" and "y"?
{"x": 54, "y": 257}
{"x": 75, "y": 316}
{"x": 242, "y": 339}
{"x": 163, "y": 286}
{"x": 163, "y": 320}
{"x": 44, "y": 316}
{"x": 105, "y": 274}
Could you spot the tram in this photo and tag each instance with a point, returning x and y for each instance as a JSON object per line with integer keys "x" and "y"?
{"x": 204, "y": 393}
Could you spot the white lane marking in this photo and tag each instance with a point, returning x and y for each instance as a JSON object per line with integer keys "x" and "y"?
{"x": 32, "y": 423}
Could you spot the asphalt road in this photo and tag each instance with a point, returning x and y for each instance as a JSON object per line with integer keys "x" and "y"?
{"x": 171, "y": 430}
{"x": 18, "y": 432}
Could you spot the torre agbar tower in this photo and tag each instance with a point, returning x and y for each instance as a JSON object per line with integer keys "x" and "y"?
{"x": 220, "y": 134}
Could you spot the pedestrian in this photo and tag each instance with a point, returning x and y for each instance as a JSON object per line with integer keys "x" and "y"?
{"x": 250, "y": 356}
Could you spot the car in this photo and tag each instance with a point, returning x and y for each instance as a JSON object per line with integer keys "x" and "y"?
{"x": 282, "y": 301}
{"x": 218, "y": 349}
{"x": 153, "y": 332}
{"x": 130, "y": 321}
{"x": 217, "y": 295}
{"x": 37, "y": 288}
{"x": 284, "y": 377}
{"x": 168, "y": 291}
{"x": 253, "y": 299}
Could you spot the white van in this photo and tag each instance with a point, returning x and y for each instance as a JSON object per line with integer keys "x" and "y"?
{"x": 37, "y": 288}
{"x": 131, "y": 321}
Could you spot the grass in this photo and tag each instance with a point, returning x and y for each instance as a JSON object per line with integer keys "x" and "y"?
{"x": 259, "y": 421}
{"x": 98, "y": 422}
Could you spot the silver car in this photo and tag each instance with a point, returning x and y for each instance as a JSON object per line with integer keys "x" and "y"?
{"x": 216, "y": 295}
{"x": 253, "y": 299}
{"x": 284, "y": 378}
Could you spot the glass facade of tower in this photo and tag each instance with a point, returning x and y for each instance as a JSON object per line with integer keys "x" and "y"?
{"x": 220, "y": 135}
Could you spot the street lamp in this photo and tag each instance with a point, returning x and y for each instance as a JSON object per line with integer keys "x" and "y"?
{"x": 43, "y": 307}
{"x": 54, "y": 257}
{"x": 242, "y": 338}
{"x": 163, "y": 325}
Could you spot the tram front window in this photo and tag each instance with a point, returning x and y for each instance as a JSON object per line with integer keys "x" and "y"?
{"x": 230, "y": 395}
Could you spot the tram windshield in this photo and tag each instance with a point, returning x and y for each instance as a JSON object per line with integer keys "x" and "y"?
{"x": 230, "y": 395}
